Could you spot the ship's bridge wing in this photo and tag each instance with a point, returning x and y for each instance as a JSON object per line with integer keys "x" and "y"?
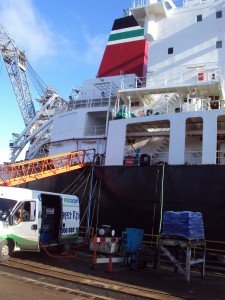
{"x": 207, "y": 82}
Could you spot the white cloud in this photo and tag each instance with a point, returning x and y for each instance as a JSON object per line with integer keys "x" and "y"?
{"x": 96, "y": 46}
{"x": 29, "y": 30}
{"x": 36, "y": 36}
{"x": 4, "y": 155}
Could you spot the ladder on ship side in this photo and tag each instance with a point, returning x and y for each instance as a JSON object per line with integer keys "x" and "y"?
{"x": 107, "y": 88}
{"x": 167, "y": 104}
{"x": 162, "y": 144}
{"x": 31, "y": 170}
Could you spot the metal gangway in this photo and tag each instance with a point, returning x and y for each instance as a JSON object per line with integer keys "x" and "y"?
{"x": 26, "y": 171}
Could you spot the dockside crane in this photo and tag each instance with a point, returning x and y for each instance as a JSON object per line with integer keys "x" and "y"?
{"x": 38, "y": 125}
{"x": 15, "y": 62}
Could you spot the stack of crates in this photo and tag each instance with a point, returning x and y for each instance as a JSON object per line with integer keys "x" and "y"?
{"x": 133, "y": 238}
{"x": 186, "y": 224}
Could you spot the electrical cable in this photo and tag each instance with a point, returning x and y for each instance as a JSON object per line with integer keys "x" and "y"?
{"x": 63, "y": 255}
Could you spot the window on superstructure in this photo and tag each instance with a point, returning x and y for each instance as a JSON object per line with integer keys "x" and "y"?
{"x": 219, "y": 14}
{"x": 219, "y": 44}
{"x": 199, "y": 18}
{"x": 170, "y": 50}
{"x": 136, "y": 103}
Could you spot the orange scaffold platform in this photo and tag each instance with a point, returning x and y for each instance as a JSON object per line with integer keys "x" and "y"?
{"x": 26, "y": 171}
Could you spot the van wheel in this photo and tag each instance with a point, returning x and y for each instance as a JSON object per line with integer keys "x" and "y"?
{"x": 5, "y": 250}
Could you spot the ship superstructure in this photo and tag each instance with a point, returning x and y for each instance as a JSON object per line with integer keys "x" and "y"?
{"x": 159, "y": 90}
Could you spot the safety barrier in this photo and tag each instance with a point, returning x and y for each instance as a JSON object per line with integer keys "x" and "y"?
{"x": 106, "y": 245}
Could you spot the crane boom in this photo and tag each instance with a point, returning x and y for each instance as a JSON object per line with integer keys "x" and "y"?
{"x": 15, "y": 62}
{"x": 37, "y": 132}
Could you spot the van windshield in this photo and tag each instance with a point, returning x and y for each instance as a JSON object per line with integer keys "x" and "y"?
{"x": 6, "y": 206}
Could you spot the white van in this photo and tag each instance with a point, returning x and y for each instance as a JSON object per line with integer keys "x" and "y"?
{"x": 31, "y": 219}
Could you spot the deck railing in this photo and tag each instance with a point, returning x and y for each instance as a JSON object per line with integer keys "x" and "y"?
{"x": 220, "y": 157}
{"x": 191, "y": 77}
{"x": 131, "y": 159}
{"x": 140, "y": 3}
{"x": 190, "y": 158}
{"x": 92, "y": 102}
{"x": 170, "y": 107}
{"x": 95, "y": 130}
{"x": 193, "y": 157}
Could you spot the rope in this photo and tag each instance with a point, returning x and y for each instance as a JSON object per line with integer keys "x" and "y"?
{"x": 154, "y": 209}
{"x": 90, "y": 193}
{"x": 87, "y": 180}
{"x": 80, "y": 186}
{"x": 93, "y": 210}
{"x": 83, "y": 197}
{"x": 86, "y": 209}
{"x": 97, "y": 214}
{"x": 161, "y": 202}
{"x": 65, "y": 190}
{"x": 73, "y": 189}
{"x": 83, "y": 216}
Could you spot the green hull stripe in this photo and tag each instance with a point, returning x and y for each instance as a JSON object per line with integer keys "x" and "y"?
{"x": 126, "y": 35}
{"x": 70, "y": 236}
{"x": 19, "y": 240}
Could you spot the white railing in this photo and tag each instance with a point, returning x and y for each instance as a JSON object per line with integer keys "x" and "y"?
{"x": 170, "y": 106}
{"x": 160, "y": 158}
{"x": 174, "y": 80}
{"x": 193, "y": 157}
{"x": 95, "y": 130}
{"x": 196, "y": 105}
{"x": 140, "y": 3}
{"x": 87, "y": 103}
{"x": 132, "y": 159}
{"x": 220, "y": 157}
{"x": 190, "y": 158}
{"x": 187, "y": 3}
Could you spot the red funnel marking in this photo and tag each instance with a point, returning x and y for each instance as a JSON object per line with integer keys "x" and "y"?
{"x": 125, "y": 58}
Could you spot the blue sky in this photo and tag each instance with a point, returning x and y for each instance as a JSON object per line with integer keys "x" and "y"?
{"x": 63, "y": 40}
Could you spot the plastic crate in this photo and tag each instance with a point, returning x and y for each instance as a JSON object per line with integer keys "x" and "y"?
{"x": 185, "y": 224}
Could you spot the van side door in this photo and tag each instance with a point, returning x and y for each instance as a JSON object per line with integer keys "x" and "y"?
{"x": 24, "y": 225}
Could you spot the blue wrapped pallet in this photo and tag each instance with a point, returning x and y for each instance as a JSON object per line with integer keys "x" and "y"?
{"x": 133, "y": 238}
{"x": 186, "y": 224}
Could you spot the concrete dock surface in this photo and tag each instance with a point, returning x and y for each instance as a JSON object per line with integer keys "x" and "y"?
{"x": 212, "y": 287}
